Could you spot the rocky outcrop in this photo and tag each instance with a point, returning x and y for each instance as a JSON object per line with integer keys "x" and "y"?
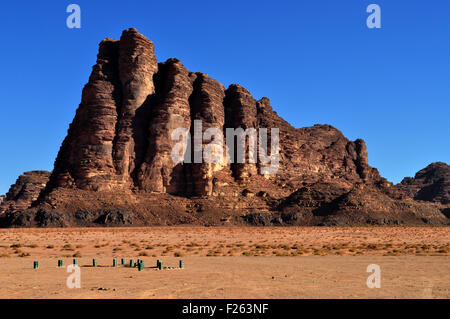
{"x": 430, "y": 184}
{"x": 368, "y": 206}
{"x": 147, "y": 146}
{"x": 329, "y": 204}
{"x": 121, "y": 136}
{"x": 332, "y": 204}
{"x": 24, "y": 191}
{"x": 52, "y": 218}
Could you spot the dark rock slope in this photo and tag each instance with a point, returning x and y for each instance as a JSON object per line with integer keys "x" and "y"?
{"x": 430, "y": 184}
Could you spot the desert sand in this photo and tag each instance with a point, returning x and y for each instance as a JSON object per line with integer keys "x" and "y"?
{"x": 227, "y": 262}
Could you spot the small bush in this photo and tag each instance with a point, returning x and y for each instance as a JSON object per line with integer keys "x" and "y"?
{"x": 144, "y": 253}
{"x": 68, "y": 247}
{"x": 280, "y": 253}
{"x": 178, "y": 254}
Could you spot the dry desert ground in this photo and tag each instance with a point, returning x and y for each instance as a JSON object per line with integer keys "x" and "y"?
{"x": 227, "y": 262}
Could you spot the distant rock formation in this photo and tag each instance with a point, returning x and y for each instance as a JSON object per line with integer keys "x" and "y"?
{"x": 429, "y": 184}
{"x": 115, "y": 166}
{"x": 24, "y": 191}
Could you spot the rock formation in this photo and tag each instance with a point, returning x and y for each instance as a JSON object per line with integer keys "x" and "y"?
{"x": 120, "y": 138}
{"x": 24, "y": 191}
{"x": 116, "y": 166}
{"x": 429, "y": 184}
{"x": 169, "y": 111}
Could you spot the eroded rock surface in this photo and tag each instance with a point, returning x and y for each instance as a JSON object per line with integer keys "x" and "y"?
{"x": 116, "y": 167}
{"x": 24, "y": 191}
{"x": 429, "y": 184}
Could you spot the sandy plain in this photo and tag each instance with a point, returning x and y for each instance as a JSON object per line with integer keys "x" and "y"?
{"x": 227, "y": 262}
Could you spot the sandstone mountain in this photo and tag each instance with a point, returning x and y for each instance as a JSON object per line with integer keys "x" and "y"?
{"x": 115, "y": 165}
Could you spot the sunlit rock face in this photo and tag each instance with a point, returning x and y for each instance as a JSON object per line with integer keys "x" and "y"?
{"x": 116, "y": 162}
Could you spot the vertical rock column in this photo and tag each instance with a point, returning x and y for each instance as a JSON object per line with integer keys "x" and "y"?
{"x": 207, "y": 107}
{"x": 266, "y": 120}
{"x": 241, "y": 111}
{"x": 85, "y": 158}
{"x": 358, "y": 155}
{"x": 137, "y": 66}
{"x": 158, "y": 172}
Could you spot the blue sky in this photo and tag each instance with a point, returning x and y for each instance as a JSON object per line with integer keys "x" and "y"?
{"x": 316, "y": 60}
